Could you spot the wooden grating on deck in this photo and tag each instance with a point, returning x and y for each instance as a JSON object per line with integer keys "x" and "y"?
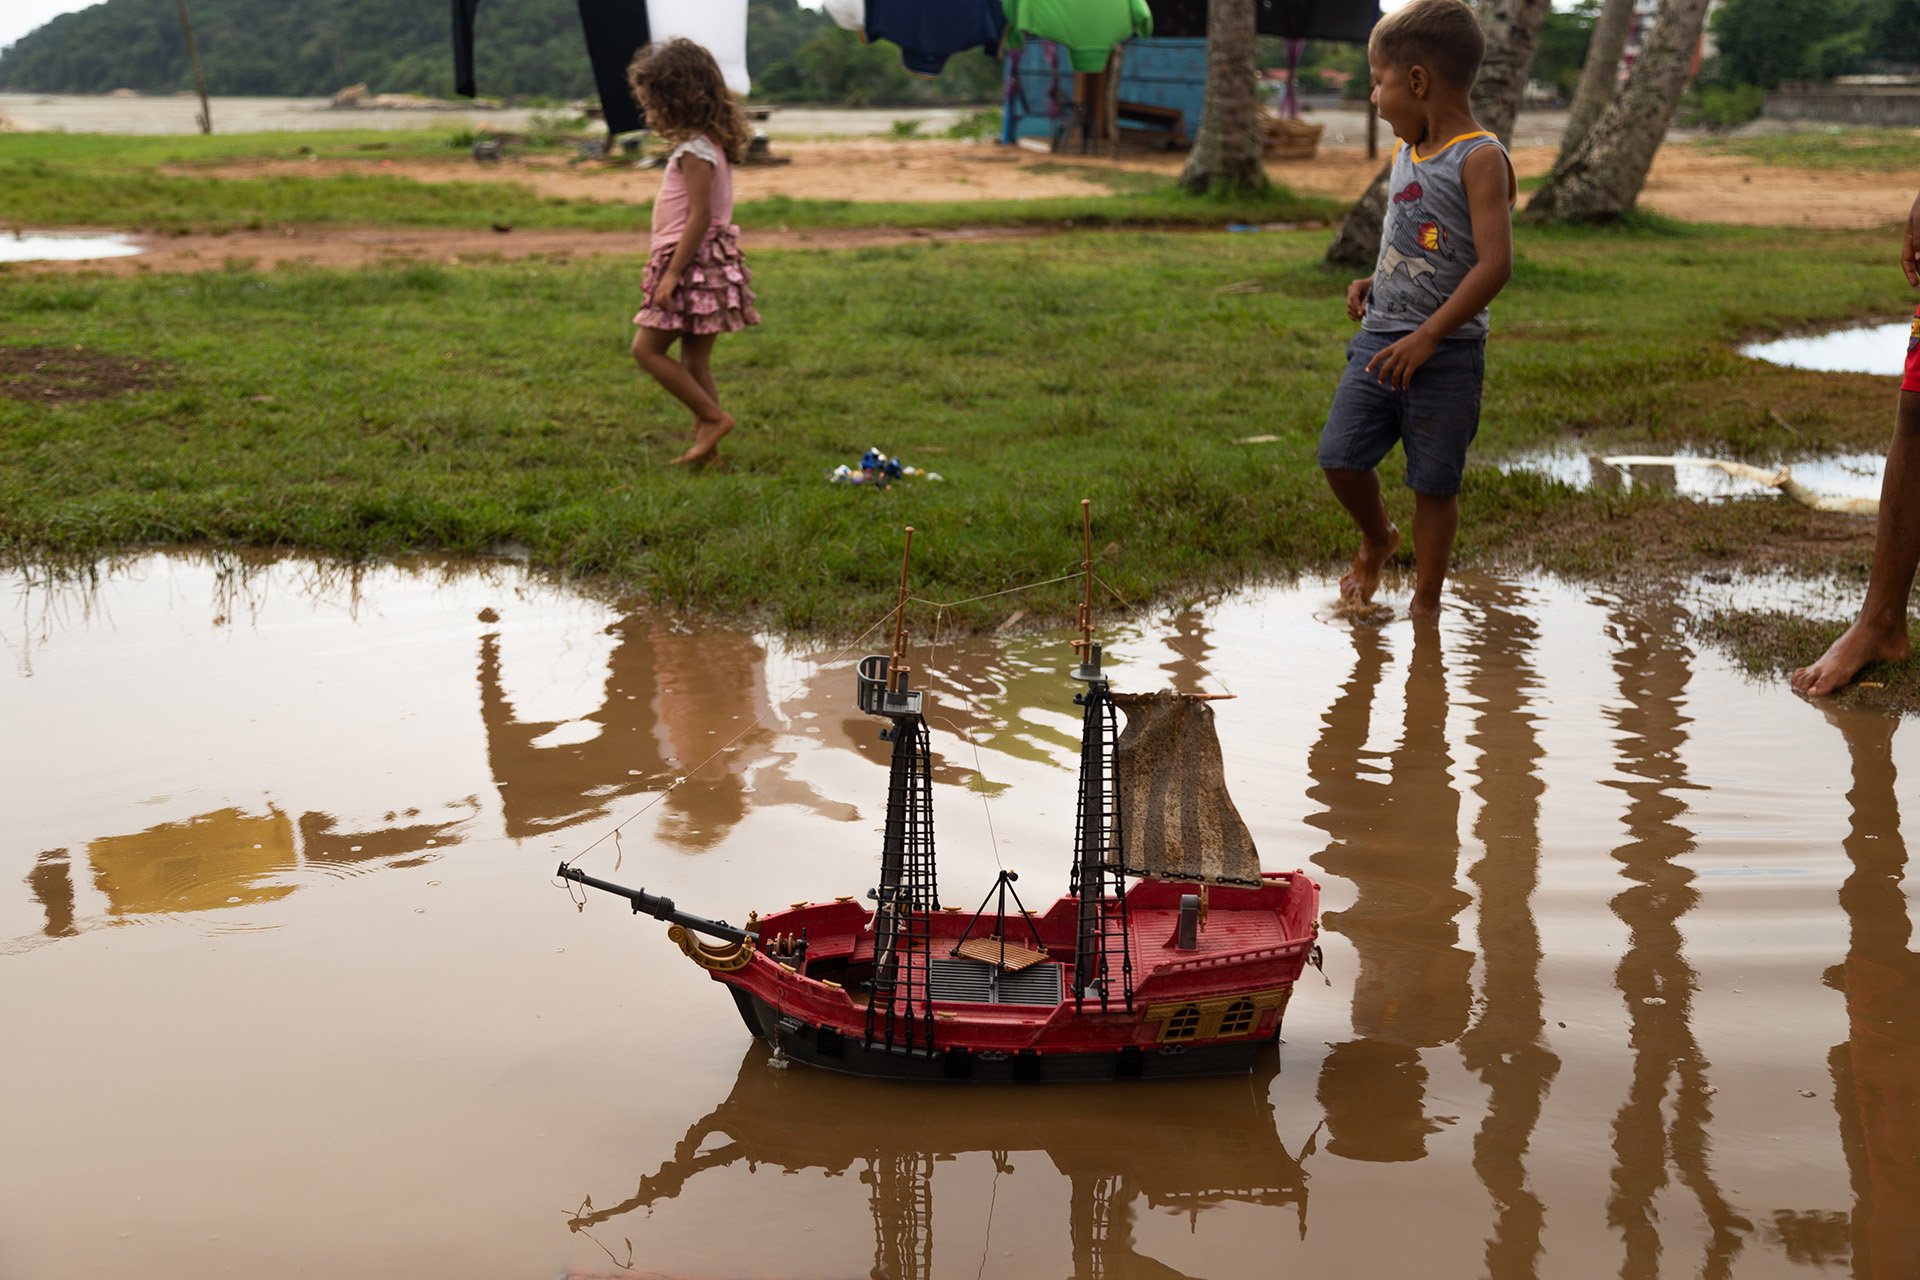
{"x": 1005, "y": 955}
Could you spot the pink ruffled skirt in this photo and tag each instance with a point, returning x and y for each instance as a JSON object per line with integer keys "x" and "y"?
{"x": 715, "y": 294}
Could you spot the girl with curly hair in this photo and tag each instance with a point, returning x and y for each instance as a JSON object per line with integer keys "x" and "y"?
{"x": 696, "y": 281}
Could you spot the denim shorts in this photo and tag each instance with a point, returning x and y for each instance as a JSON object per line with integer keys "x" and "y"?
{"x": 1434, "y": 419}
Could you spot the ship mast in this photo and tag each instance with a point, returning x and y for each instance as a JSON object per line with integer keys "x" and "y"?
{"x": 1098, "y": 879}
{"x": 898, "y": 1013}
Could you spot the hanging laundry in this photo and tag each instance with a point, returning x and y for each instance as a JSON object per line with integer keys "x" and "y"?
{"x": 720, "y": 26}
{"x": 850, "y": 14}
{"x": 931, "y": 31}
{"x": 1179, "y": 19}
{"x": 1349, "y": 20}
{"x": 615, "y": 30}
{"x": 1088, "y": 28}
{"x": 463, "y": 11}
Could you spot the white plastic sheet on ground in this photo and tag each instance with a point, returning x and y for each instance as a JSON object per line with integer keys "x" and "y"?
{"x": 719, "y": 25}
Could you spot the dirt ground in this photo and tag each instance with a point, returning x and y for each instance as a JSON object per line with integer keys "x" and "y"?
{"x": 1687, "y": 182}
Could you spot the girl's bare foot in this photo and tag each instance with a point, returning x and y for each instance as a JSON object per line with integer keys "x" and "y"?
{"x": 706, "y": 439}
{"x": 1859, "y": 645}
{"x": 1358, "y": 584}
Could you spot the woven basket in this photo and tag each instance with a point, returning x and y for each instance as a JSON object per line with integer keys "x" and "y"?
{"x": 1285, "y": 139}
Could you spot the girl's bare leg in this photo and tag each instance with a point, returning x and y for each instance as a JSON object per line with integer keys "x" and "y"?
{"x": 650, "y": 351}
{"x": 696, "y": 352}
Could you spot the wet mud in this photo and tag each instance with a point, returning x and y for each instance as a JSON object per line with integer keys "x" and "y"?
{"x": 1620, "y": 968}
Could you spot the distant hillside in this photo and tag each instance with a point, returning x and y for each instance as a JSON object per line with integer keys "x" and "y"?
{"x": 522, "y": 49}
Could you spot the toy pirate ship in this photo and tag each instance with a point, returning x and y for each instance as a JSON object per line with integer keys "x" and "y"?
{"x": 1187, "y": 971}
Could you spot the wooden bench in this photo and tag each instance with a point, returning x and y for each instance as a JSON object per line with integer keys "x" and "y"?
{"x": 1167, "y": 125}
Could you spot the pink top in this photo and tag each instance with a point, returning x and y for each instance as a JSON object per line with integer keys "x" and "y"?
{"x": 670, "y": 207}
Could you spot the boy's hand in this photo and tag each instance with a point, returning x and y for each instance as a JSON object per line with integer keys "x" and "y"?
{"x": 663, "y": 292}
{"x": 1910, "y": 247}
{"x": 1357, "y": 291}
{"x": 1395, "y": 365}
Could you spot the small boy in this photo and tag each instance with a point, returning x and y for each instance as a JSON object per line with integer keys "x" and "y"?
{"x": 1446, "y": 247}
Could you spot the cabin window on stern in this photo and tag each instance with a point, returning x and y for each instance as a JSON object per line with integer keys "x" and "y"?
{"x": 1184, "y": 1024}
{"x": 1238, "y": 1019}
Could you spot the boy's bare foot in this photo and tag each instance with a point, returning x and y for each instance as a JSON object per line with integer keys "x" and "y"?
{"x": 1358, "y": 584}
{"x": 707, "y": 433}
{"x": 1859, "y": 645}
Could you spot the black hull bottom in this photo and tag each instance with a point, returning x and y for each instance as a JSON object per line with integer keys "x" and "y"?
{"x": 831, "y": 1051}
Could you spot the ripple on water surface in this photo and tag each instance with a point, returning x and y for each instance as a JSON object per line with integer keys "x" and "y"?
{"x": 1619, "y": 957}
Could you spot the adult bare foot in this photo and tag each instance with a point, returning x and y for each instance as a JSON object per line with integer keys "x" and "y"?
{"x": 706, "y": 439}
{"x": 1858, "y": 646}
{"x": 1418, "y": 608}
{"x": 1358, "y": 584}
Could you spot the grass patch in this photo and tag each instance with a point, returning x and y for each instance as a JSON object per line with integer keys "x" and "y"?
{"x": 381, "y": 411}
{"x": 1865, "y": 149}
{"x": 1772, "y": 645}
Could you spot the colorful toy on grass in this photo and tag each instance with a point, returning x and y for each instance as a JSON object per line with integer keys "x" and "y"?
{"x": 876, "y": 468}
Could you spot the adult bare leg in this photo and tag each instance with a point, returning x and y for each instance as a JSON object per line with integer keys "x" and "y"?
{"x": 1359, "y": 493}
{"x": 650, "y": 351}
{"x": 1435, "y": 522}
{"x": 1879, "y": 634}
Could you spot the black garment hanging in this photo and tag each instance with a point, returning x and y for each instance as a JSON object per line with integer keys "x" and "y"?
{"x": 1179, "y": 19}
{"x": 616, "y": 30}
{"x": 463, "y": 11}
{"x": 1350, "y": 20}
{"x": 1296, "y": 19}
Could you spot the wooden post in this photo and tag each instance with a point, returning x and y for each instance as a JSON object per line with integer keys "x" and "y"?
{"x": 1373, "y": 131}
{"x": 199, "y": 77}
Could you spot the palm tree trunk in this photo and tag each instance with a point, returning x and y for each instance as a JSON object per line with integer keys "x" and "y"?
{"x": 1602, "y": 180}
{"x": 1599, "y": 75}
{"x": 1513, "y": 33}
{"x": 1226, "y": 155}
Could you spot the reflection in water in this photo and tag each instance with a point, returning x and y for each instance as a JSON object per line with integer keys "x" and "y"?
{"x": 1505, "y": 1045}
{"x": 1394, "y": 832}
{"x": 212, "y": 861}
{"x": 1653, "y": 665}
{"x": 52, "y": 884}
{"x": 672, "y": 700}
{"x": 1876, "y": 1072}
{"x": 1198, "y": 1145}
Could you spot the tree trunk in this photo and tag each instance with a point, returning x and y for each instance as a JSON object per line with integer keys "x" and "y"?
{"x": 1357, "y": 243}
{"x": 1513, "y": 33}
{"x": 1601, "y": 181}
{"x": 1600, "y": 74}
{"x": 1226, "y": 155}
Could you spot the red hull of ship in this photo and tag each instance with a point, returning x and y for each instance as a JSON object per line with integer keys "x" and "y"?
{"x": 1207, "y": 1010}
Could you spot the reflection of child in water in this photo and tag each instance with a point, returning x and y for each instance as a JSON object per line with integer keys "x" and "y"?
{"x": 1446, "y": 247}
{"x": 696, "y": 281}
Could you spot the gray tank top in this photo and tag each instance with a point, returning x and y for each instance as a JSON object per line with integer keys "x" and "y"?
{"x": 1426, "y": 242}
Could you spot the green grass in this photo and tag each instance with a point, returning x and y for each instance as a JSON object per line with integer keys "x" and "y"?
{"x": 1867, "y": 149}
{"x": 379, "y": 411}
{"x": 165, "y": 184}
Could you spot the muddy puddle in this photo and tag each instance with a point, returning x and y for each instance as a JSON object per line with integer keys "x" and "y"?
{"x": 61, "y": 246}
{"x": 1621, "y": 976}
{"x": 1702, "y": 478}
{"x": 1880, "y": 349}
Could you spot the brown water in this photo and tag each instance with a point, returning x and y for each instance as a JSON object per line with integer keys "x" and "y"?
{"x": 1621, "y": 975}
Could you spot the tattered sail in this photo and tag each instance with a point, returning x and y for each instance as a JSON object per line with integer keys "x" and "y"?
{"x": 1177, "y": 821}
